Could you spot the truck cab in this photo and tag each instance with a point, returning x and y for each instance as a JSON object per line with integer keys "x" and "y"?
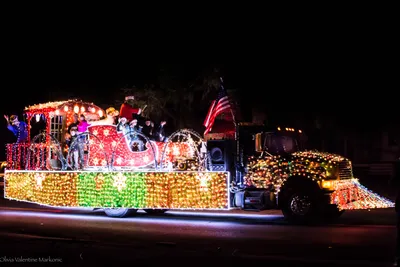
{"x": 270, "y": 169}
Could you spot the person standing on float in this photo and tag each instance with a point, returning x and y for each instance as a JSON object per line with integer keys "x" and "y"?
{"x": 127, "y": 110}
{"x": 20, "y": 130}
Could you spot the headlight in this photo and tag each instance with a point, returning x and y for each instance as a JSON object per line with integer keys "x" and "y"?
{"x": 3, "y": 164}
{"x": 326, "y": 184}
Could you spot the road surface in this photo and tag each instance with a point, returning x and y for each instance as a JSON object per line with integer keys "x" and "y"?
{"x": 79, "y": 237}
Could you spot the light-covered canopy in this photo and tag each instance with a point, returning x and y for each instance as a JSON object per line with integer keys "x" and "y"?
{"x": 67, "y": 108}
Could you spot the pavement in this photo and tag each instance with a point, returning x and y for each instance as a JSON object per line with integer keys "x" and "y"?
{"x": 40, "y": 235}
{"x": 83, "y": 253}
{"x": 83, "y": 236}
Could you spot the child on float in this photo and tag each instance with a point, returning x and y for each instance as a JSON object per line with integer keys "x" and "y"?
{"x": 82, "y": 128}
{"x": 74, "y": 149}
{"x": 136, "y": 143}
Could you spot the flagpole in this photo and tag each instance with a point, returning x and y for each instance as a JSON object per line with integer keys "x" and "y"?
{"x": 233, "y": 115}
{"x": 237, "y": 146}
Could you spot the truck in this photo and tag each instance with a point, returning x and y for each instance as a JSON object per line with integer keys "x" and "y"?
{"x": 252, "y": 168}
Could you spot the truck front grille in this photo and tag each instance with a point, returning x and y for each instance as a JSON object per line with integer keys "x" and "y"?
{"x": 345, "y": 170}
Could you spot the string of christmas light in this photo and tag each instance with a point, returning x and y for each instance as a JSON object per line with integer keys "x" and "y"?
{"x": 67, "y": 109}
{"x": 351, "y": 195}
{"x": 159, "y": 189}
{"x": 323, "y": 156}
{"x": 275, "y": 170}
{"x": 67, "y": 106}
{"x": 28, "y": 156}
{"x": 110, "y": 142}
{"x": 169, "y": 190}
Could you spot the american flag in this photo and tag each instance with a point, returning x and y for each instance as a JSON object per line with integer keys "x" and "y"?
{"x": 218, "y": 106}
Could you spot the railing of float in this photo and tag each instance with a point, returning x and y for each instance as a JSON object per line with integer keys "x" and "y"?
{"x": 36, "y": 155}
{"x": 16, "y": 155}
{"x": 50, "y": 155}
{"x": 186, "y": 135}
{"x": 78, "y": 146}
{"x": 39, "y": 155}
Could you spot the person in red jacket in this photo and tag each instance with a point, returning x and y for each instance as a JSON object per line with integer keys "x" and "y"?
{"x": 127, "y": 110}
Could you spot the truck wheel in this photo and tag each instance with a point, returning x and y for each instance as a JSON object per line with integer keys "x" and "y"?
{"x": 299, "y": 205}
{"x": 118, "y": 212}
{"x": 154, "y": 211}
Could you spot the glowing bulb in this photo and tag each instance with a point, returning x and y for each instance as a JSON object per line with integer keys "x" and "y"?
{"x": 93, "y": 110}
{"x": 100, "y": 113}
{"x": 66, "y": 108}
{"x": 82, "y": 109}
{"x": 76, "y": 109}
{"x": 57, "y": 112}
{"x": 37, "y": 117}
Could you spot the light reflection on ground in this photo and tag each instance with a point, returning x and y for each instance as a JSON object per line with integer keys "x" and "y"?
{"x": 168, "y": 217}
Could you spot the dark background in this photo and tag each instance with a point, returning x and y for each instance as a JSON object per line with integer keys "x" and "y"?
{"x": 295, "y": 75}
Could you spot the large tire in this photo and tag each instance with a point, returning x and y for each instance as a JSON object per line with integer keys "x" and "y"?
{"x": 118, "y": 212}
{"x": 155, "y": 211}
{"x": 300, "y": 205}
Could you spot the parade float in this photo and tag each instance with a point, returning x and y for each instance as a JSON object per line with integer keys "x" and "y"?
{"x": 187, "y": 171}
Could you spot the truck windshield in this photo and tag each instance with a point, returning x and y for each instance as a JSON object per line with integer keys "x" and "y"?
{"x": 276, "y": 143}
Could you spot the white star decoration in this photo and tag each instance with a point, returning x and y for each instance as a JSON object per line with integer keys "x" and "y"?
{"x": 132, "y": 161}
{"x": 95, "y": 161}
{"x": 39, "y": 177}
{"x": 175, "y": 151}
{"x": 203, "y": 181}
{"x": 119, "y": 160}
{"x": 106, "y": 132}
{"x": 119, "y": 181}
{"x": 146, "y": 159}
{"x": 95, "y": 132}
{"x": 114, "y": 143}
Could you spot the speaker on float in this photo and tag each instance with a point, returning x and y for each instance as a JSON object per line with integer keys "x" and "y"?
{"x": 220, "y": 153}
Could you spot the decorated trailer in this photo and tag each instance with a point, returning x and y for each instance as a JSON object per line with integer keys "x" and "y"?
{"x": 252, "y": 168}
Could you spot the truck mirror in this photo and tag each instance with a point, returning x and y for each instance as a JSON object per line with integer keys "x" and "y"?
{"x": 258, "y": 143}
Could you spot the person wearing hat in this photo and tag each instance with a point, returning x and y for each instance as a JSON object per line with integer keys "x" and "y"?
{"x": 122, "y": 125}
{"x": 127, "y": 110}
{"x": 18, "y": 128}
{"x": 20, "y": 131}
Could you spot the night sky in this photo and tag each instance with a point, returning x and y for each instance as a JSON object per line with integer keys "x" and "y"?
{"x": 329, "y": 83}
{"x": 292, "y": 77}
